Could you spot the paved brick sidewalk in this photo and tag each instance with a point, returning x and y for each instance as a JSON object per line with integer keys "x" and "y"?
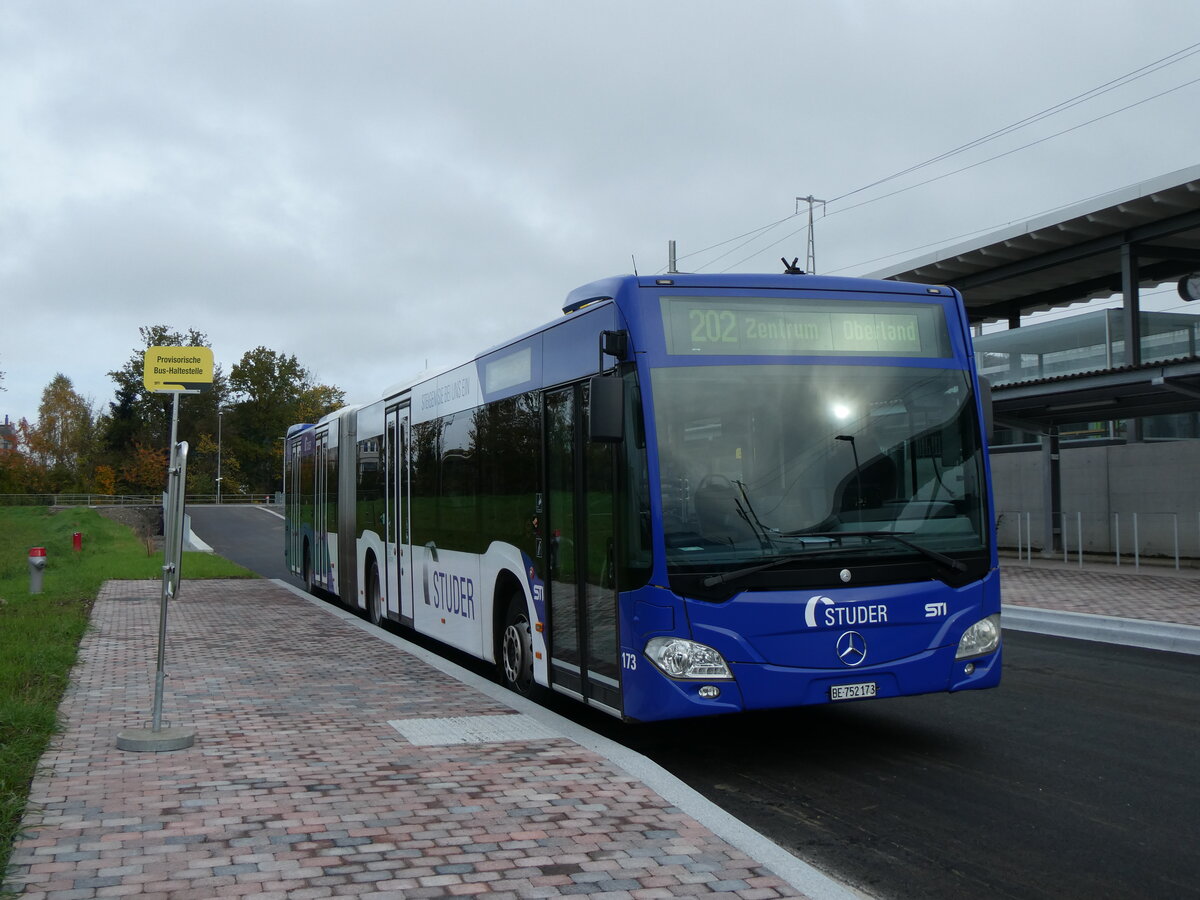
{"x": 298, "y": 787}
{"x": 1105, "y": 591}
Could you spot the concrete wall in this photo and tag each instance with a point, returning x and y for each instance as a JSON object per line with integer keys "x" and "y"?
{"x": 1104, "y": 486}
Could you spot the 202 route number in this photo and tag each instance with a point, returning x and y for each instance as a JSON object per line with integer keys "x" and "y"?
{"x": 713, "y": 326}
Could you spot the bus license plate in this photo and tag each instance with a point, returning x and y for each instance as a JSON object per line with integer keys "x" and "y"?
{"x": 852, "y": 691}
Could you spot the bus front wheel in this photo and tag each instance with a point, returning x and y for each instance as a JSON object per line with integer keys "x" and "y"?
{"x": 516, "y": 650}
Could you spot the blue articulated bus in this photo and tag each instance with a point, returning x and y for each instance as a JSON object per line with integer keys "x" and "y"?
{"x": 690, "y": 495}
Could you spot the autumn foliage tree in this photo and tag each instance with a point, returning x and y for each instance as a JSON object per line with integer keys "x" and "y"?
{"x": 146, "y": 470}
{"x": 125, "y": 448}
{"x": 63, "y": 442}
{"x": 19, "y": 474}
{"x": 104, "y": 479}
{"x": 202, "y": 468}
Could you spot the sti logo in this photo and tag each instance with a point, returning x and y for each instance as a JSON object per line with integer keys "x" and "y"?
{"x": 933, "y": 610}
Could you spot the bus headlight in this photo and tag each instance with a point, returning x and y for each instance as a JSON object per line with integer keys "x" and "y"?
{"x": 680, "y": 658}
{"x": 982, "y": 637}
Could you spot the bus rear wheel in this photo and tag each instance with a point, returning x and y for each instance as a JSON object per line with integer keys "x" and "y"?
{"x": 374, "y": 596}
{"x": 516, "y": 650}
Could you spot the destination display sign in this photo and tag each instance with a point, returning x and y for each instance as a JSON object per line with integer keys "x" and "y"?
{"x": 178, "y": 369}
{"x": 753, "y": 326}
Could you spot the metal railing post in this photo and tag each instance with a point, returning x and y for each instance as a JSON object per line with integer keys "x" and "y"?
{"x": 1175, "y": 523}
{"x": 1079, "y": 530}
{"x": 1117, "y": 530}
{"x": 1137, "y": 559}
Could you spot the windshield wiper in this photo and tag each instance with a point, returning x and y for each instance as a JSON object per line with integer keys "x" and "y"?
{"x": 751, "y": 517}
{"x": 956, "y": 564}
{"x": 714, "y": 580}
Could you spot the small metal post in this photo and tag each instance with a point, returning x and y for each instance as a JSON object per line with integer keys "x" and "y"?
{"x": 1079, "y": 529}
{"x": 1117, "y": 528}
{"x": 1066, "y": 549}
{"x": 1137, "y": 559}
{"x": 1175, "y": 519}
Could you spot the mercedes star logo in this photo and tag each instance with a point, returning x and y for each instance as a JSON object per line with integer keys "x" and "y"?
{"x": 851, "y": 648}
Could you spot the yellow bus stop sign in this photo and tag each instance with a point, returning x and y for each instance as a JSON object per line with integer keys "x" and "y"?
{"x": 178, "y": 369}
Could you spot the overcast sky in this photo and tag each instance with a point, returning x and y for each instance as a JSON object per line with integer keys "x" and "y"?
{"x": 377, "y": 186}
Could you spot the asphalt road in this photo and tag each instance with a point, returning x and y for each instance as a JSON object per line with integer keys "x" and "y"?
{"x": 1078, "y": 777}
{"x": 251, "y": 536}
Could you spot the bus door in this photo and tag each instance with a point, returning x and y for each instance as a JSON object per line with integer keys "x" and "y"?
{"x": 319, "y": 572}
{"x": 582, "y": 606}
{"x": 399, "y": 540}
{"x": 293, "y": 505}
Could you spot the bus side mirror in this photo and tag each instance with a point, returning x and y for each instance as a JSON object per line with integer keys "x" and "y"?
{"x": 614, "y": 343}
{"x": 985, "y": 400}
{"x": 606, "y": 409}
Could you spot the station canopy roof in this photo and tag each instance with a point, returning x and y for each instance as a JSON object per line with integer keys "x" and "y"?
{"x": 1072, "y": 255}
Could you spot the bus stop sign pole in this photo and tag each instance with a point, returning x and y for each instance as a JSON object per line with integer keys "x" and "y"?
{"x": 156, "y": 738}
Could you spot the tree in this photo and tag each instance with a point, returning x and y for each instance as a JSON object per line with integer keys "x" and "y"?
{"x": 19, "y": 474}
{"x": 318, "y": 400}
{"x": 105, "y": 480}
{"x": 202, "y": 468}
{"x": 271, "y": 391}
{"x": 64, "y": 440}
{"x": 146, "y": 469}
{"x": 137, "y": 415}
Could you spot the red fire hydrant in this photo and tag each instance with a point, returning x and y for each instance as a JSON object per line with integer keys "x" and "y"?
{"x": 77, "y": 541}
{"x": 37, "y": 563}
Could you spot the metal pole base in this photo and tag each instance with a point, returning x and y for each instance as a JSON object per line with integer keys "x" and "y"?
{"x": 155, "y": 741}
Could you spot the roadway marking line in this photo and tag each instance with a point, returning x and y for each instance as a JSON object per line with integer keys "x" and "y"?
{"x": 270, "y": 511}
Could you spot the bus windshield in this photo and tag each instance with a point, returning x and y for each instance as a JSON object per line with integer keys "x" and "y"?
{"x": 769, "y": 461}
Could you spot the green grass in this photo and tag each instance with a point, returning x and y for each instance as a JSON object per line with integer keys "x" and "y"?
{"x": 39, "y": 634}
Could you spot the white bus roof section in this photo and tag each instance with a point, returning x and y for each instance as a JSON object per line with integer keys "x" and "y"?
{"x": 1072, "y": 255}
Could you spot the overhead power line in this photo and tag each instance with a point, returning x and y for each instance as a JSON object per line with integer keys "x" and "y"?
{"x": 974, "y": 165}
{"x": 1063, "y": 106}
{"x": 750, "y": 237}
{"x": 1041, "y": 140}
